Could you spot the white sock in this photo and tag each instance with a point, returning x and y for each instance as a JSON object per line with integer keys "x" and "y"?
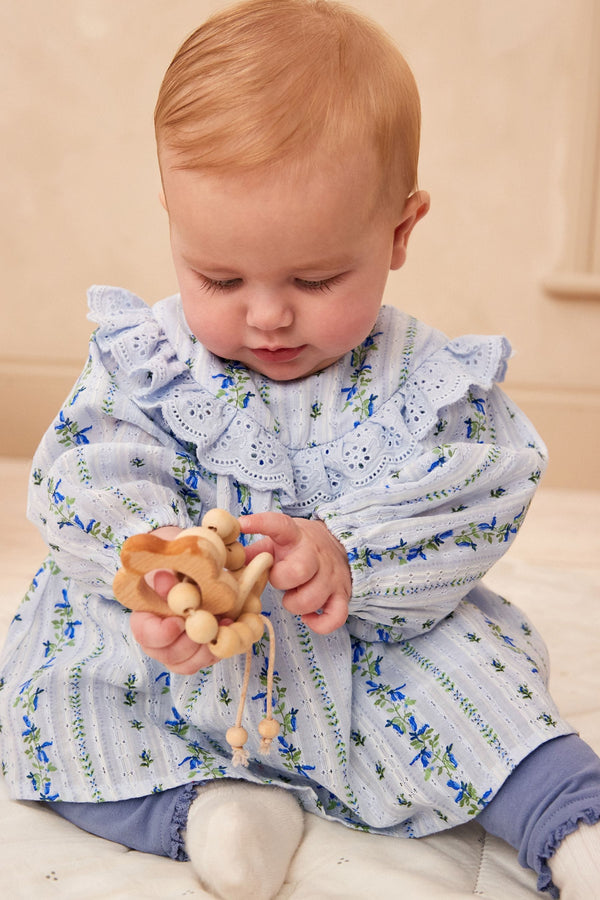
{"x": 575, "y": 866}
{"x": 241, "y": 838}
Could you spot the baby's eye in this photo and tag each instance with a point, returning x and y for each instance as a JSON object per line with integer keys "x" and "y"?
{"x": 322, "y": 284}
{"x": 219, "y": 284}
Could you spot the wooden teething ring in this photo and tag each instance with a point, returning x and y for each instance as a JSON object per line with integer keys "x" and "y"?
{"x": 215, "y": 584}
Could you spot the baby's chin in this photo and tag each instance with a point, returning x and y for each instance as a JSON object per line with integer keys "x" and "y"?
{"x": 286, "y": 371}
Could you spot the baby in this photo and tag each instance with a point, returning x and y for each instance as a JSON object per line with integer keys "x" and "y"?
{"x": 376, "y": 460}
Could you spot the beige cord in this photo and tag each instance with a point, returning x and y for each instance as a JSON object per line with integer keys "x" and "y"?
{"x": 268, "y": 728}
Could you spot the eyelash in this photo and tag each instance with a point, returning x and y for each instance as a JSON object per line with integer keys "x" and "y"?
{"x": 214, "y": 286}
{"x": 324, "y": 285}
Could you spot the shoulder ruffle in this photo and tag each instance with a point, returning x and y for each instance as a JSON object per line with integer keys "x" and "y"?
{"x": 152, "y": 372}
{"x": 234, "y": 441}
{"x": 386, "y": 440}
{"x": 449, "y": 374}
{"x": 129, "y": 333}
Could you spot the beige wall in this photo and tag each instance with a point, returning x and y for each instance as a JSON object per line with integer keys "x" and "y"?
{"x": 500, "y": 82}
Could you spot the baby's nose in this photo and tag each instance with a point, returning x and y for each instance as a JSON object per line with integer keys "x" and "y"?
{"x": 269, "y": 311}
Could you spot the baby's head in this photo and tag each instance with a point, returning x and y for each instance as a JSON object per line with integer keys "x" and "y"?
{"x": 288, "y": 135}
{"x": 273, "y": 81}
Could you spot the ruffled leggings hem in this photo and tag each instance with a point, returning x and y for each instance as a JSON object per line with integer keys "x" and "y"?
{"x": 545, "y": 883}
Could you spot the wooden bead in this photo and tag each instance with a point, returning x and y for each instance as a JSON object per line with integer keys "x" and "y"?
{"x": 236, "y": 736}
{"x": 201, "y": 626}
{"x": 227, "y": 643}
{"x": 183, "y": 598}
{"x": 221, "y": 521}
{"x": 268, "y": 729}
{"x": 236, "y": 556}
{"x": 244, "y": 633}
{"x": 219, "y": 553}
{"x": 254, "y": 623}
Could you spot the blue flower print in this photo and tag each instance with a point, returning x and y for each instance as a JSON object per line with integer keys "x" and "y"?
{"x": 440, "y": 461}
{"x": 466, "y": 796}
{"x": 46, "y": 795}
{"x": 233, "y": 380}
{"x": 166, "y": 678}
{"x": 292, "y": 755}
{"x": 358, "y": 650}
{"x": 416, "y": 735}
{"x": 396, "y": 693}
{"x": 57, "y": 497}
{"x": 424, "y": 755}
{"x": 485, "y": 526}
{"x": 415, "y": 552}
{"x": 363, "y": 557}
{"x": 40, "y": 751}
{"x": 466, "y": 542}
{"x": 70, "y": 629}
{"x": 350, "y": 392}
{"x": 29, "y": 729}
{"x": 396, "y": 725}
{"x": 70, "y": 432}
{"x": 450, "y": 756}
{"x": 227, "y": 381}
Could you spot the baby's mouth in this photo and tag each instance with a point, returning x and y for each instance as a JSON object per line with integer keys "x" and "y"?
{"x": 278, "y": 354}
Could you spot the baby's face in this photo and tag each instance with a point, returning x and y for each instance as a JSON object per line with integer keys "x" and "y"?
{"x": 282, "y": 272}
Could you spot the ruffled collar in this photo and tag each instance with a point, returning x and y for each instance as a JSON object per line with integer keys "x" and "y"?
{"x": 306, "y": 438}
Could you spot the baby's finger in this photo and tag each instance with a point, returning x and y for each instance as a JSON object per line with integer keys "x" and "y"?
{"x": 280, "y": 528}
{"x": 162, "y": 581}
{"x": 167, "y": 641}
{"x": 264, "y": 545}
{"x": 199, "y": 658}
{"x": 332, "y": 616}
{"x": 155, "y": 632}
{"x": 296, "y": 571}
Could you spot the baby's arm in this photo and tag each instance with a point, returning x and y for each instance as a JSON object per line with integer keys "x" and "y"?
{"x": 419, "y": 538}
{"x": 311, "y": 566}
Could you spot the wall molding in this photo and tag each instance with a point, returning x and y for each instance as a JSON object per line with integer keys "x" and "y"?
{"x": 578, "y": 274}
{"x": 568, "y": 419}
{"x": 31, "y": 393}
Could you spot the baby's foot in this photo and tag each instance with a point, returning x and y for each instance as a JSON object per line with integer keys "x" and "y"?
{"x": 575, "y": 866}
{"x": 241, "y": 838}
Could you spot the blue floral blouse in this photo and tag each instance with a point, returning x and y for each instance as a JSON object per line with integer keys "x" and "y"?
{"x": 409, "y": 718}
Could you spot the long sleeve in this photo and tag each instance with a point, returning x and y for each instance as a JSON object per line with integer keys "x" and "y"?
{"x": 419, "y": 539}
{"x": 106, "y": 469}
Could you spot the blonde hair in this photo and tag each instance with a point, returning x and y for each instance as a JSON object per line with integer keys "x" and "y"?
{"x": 272, "y": 80}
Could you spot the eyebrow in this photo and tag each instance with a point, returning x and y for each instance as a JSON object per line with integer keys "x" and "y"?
{"x": 338, "y": 264}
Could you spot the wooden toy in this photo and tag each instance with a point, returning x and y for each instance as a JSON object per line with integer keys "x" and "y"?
{"x": 216, "y": 593}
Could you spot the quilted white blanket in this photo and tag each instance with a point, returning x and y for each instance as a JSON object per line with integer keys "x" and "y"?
{"x": 552, "y": 572}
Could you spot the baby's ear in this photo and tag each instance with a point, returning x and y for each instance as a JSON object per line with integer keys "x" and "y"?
{"x": 415, "y": 208}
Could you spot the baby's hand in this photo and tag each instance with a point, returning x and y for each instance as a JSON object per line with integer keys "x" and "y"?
{"x": 165, "y": 638}
{"x": 310, "y": 565}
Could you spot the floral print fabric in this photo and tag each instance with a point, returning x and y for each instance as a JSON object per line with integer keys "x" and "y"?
{"x": 408, "y": 719}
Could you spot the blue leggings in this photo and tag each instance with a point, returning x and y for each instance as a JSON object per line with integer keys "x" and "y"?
{"x": 153, "y": 824}
{"x": 546, "y": 796}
